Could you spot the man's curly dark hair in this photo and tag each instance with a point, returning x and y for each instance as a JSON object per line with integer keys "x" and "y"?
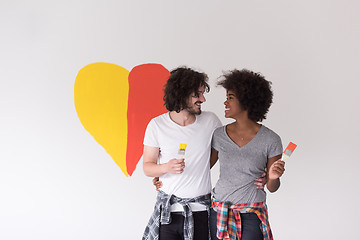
{"x": 252, "y": 90}
{"x": 183, "y": 82}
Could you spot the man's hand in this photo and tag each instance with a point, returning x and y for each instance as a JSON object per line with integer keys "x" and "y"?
{"x": 157, "y": 183}
{"x": 175, "y": 166}
{"x": 261, "y": 181}
{"x": 276, "y": 170}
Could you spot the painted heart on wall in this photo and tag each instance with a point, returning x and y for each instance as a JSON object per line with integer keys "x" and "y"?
{"x": 115, "y": 106}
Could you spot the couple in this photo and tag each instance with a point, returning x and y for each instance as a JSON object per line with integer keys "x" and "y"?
{"x": 245, "y": 149}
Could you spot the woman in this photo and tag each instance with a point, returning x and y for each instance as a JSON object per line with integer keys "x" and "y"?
{"x": 245, "y": 149}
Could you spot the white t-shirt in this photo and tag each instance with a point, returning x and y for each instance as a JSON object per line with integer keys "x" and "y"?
{"x": 165, "y": 134}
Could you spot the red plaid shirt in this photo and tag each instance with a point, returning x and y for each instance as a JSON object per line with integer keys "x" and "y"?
{"x": 229, "y": 220}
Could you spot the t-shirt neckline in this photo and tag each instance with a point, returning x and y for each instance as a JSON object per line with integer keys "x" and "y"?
{"x": 229, "y": 138}
{"x": 192, "y": 124}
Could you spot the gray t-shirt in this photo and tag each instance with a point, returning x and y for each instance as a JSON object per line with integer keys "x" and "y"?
{"x": 239, "y": 166}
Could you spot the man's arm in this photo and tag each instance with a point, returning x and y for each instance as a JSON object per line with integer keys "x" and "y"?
{"x": 153, "y": 169}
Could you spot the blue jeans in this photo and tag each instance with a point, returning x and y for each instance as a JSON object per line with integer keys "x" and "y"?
{"x": 250, "y": 226}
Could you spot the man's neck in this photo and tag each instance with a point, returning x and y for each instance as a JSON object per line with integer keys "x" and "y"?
{"x": 183, "y": 118}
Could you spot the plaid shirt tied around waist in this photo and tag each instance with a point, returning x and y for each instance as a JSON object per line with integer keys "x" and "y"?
{"x": 229, "y": 220}
{"x": 161, "y": 214}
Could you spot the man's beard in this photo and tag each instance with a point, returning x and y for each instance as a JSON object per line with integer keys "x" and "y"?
{"x": 191, "y": 110}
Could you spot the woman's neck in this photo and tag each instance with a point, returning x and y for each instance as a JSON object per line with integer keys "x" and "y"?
{"x": 243, "y": 124}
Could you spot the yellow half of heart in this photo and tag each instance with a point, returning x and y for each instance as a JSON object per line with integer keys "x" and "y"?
{"x": 101, "y": 101}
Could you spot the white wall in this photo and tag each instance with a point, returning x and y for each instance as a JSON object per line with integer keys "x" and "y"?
{"x": 56, "y": 182}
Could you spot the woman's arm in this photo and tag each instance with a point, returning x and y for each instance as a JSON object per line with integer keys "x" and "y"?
{"x": 213, "y": 157}
{"x": 276, "y": 168}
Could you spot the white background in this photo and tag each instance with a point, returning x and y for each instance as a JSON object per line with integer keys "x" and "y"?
{"x": 57, "y": 182}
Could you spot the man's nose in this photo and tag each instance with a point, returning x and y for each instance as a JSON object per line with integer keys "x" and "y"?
{"x": 202, "y": 97}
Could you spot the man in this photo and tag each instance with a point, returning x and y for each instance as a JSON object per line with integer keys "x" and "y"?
{"x": 187, "y": 188}
{"x": 182, "y": 207}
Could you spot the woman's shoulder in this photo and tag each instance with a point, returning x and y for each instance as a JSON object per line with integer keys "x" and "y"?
{"x": 270, "y": 134}
{"x": 219, "y": 130}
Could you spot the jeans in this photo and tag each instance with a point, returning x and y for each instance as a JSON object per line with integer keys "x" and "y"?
{"x": 250, "y": 226}
{"x": 175, "y": 230}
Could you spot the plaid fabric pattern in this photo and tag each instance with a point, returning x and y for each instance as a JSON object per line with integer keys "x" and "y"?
{"x": 229, "y": 220}
{"x": 161, "y": 214}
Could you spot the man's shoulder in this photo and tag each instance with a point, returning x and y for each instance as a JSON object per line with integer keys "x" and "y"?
{"x": 160, "y": 117}
{"x": 208, "y": 115}
{"x": 209, "y": 121}
{"x": 158, "y": 121}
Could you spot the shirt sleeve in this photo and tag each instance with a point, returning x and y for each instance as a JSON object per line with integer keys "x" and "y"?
{"x": 275, "y": 147}
{"x": 150, "y": 138}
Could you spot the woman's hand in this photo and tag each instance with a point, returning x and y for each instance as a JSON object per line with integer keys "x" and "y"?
{"x": 157, "y": 183}
{"x": 261, "y": 181}
{"x": 276, "y": 170}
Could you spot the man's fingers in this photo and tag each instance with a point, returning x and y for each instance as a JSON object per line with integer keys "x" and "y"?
{"x": 177, "y": 166}
{"x": 180, "y": 165}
